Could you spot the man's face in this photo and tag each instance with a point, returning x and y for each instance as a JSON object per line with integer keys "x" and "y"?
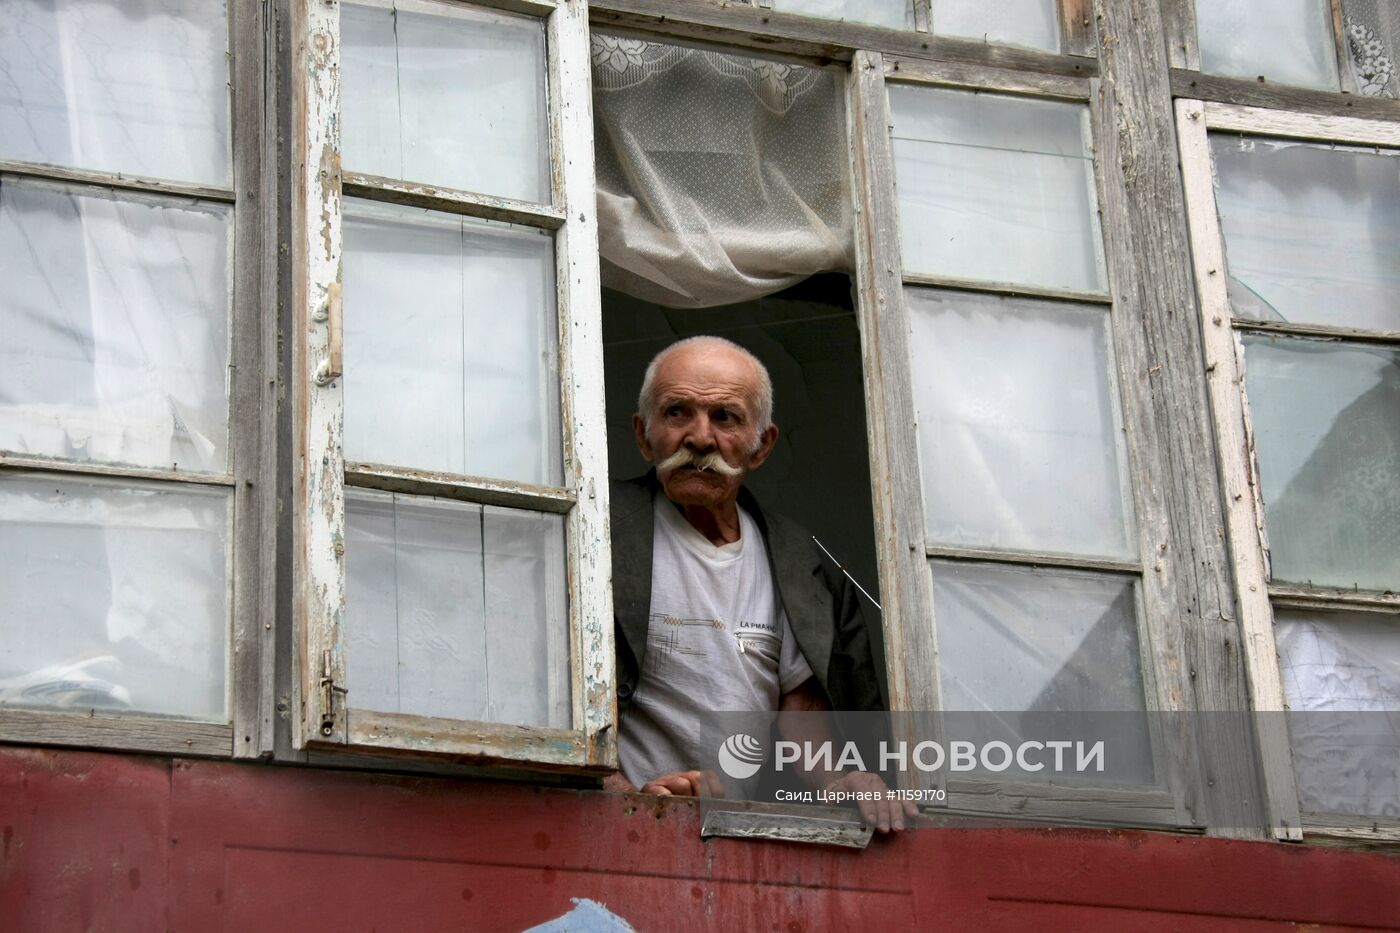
{"x": 704, "y": 404}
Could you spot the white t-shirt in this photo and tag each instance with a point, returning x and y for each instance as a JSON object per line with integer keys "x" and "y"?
{"x": 717, "y": 641}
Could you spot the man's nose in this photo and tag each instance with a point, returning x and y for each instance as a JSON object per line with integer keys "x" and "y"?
{"x": 701, "y": 435}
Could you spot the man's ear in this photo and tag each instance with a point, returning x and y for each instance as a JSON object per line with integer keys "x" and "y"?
{"x": 639, "y": 428}
{"x": 766, "y": 441}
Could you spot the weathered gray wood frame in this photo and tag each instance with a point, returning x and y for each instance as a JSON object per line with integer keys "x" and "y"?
{"x": 911, "y": 641}
{"x": 249, "y": 728}
{"x": 327, "y": 717}
{"x": 1224, "y": 361}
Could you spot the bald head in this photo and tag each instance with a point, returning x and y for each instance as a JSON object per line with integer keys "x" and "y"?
{"x": 694, "y": 348}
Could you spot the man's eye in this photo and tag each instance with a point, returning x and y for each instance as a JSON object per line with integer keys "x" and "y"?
{"x": 724, "y": 414}
{"x": 673, "y": 411}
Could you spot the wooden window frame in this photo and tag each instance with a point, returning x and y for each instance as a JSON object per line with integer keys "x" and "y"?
{"x": 251, "y": 434}
{"x": 1224, "y": 362}
{"x": 321, "y": 721}
{"x": 912, "y": 641}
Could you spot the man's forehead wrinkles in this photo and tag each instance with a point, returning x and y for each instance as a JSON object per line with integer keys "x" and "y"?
{"x": 683, "y": 392}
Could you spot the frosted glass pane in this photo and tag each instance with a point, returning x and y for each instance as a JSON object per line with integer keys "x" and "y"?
{"x": 1326, "y": 422}
{"x": 1019, "y": 430}
{"x": 451, "y": 340}
{"x": 892, "y": 14}
{"x": 1283, "y": 41}
{"x": 1339, "y": 662}
{"x": 133, "y": 86}
{"x": 995, "y": 188}
{"x": 114, "y": 596}
{"x": 1033, "y": 23}
{"x": 446, "y": 95}
{"x": 114, "y": 313}
{"x": 455, "y": 610}
{"x": 1312, "y": 233}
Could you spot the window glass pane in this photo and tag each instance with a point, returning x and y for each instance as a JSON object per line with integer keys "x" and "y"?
{"x": 995, "y": 189}
{"x": 114, "y": 312}
{"x": 456, "y": 610}
{"x": 1312, "y": 232}
{"x": 1372, "y": 40}
{"x": 893, "y": 14}
{"x": 1021, "y": 639}
{"x": 1284, "y": 41}
{"x": 1032, "y": 23}
{"x": 132, "y": 86}
{"x": 114, "y": 596}
{"x": 1326, "y": 419}
{"x": 1335, "y": 663}
{"x": 446, "y": 95}
{"x": 1020, "y": 436}
{"x": 451, "y": 340}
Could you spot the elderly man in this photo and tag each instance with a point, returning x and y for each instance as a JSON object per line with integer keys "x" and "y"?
{"x": 721, "y": 607}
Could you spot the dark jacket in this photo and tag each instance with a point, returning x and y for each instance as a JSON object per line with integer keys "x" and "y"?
{"x": 822, "y": 606}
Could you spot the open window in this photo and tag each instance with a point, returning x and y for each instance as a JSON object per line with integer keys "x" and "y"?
{"x": 725, "y": 208}
{"x": 1016, "y": 516}
{"x": 451, "y": 498}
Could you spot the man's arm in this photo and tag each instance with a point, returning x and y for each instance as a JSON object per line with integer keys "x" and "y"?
{"x": 810, "y": 722}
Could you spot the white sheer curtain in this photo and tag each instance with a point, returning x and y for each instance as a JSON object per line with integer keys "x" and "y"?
{"x": 720, "y": 178}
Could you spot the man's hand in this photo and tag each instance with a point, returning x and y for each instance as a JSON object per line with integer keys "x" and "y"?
{"x": 686, "y": 784}
{"x": 883, "y": 813}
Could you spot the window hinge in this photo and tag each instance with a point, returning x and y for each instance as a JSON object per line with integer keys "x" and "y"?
{"x": 329, "y": 691}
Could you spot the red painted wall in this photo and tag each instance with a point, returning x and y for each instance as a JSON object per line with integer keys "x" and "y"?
{"x": 116, "y": 843}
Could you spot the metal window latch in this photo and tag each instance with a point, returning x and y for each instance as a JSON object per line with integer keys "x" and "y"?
{"x": 333, "y": 365}
{"x": 328, "y": 691}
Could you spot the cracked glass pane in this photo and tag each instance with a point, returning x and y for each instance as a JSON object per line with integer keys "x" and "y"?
{"x": 1312, "y": 232}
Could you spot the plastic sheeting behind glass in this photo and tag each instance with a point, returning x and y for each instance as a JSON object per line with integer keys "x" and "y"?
{"x": 892, "y": 14}
{"x": 1372, "y": 32}
{"x": 447, "y": 96}
{"x": 451, "y": 341}
{"x": 1326, "y": 419}
{"x": 1020, "y": 436}
{"x": 1283, "y": 41}
{"x": 1022, "y": 640}
{"x": 1033, "y": 23}
{"x": 456, "y": 610}
{"x": 114, "y": 596}
{"x": 721, "y": 178}
{"x": 114, "y": 311}
{"x": 1343, "y": 662}
{"x": 996, "y": 189}
{"x": 132, "y": 86}
{"x": 1312, "y": 232}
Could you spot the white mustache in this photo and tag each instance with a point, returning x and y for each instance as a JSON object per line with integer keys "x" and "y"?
{"x": 710, "y": 461}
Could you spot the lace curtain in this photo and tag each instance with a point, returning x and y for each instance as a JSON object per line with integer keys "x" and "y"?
{"x": 1372, "y": 33}
{"x": 720, "y": 178}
